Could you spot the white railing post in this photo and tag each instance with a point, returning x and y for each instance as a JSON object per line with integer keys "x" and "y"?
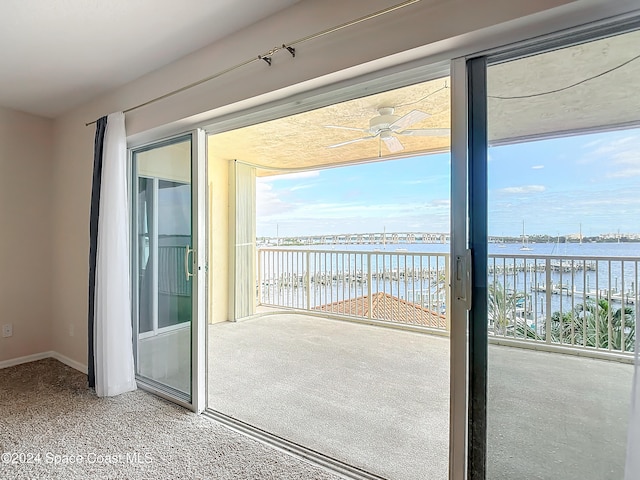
{"x": 447, "y": 310}
{"x": 369, "y": 287}
{"x": 308, "y": 280}
{"x": 609, "y": 310}
{"x": 548, "y": 293}
{"x": 260, "y": 280}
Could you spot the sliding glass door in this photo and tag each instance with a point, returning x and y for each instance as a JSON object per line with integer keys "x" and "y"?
{"x": 166, "y": 265}
{"x": 553, "y": 206}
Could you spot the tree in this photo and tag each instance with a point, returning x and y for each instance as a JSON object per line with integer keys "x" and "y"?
{"x": 503, "y": 310}
{"x": 596, "y": 324}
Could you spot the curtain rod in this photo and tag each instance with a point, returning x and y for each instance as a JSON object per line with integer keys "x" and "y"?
{"x": 266, "y": 57}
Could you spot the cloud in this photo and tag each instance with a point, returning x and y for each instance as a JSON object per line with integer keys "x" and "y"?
{"x": 291, "y": 176}
{"x": 625, "y": 163}
{"x": 592, "y": 143}
{"x": 523, "y": 189}
{"x": 616, "y": 157}
{"x": 272, "y": 200}
{"x": 565, "y": 209}
{"x": 346, "y": 212}
{"x": 625, "y": 173}
{"x": 433, "y": 179}
{"x": 616, "y": 145}
{"x": 267, "y": 201}
{"x": 301, "y": 187}
{"x": 331, "y": 218}
{"x": 537, "y": 167}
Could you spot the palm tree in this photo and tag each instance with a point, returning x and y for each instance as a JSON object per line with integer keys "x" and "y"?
{"x": 596, "y": 324}
{"x": 502, "y": 309}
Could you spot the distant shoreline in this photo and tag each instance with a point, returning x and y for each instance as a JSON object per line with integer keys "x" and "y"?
{"x": 292, "y": 242}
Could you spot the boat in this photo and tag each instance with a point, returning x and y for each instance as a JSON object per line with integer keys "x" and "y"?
{"x": 580, "y": 234}
{"x": 525, "y": 245}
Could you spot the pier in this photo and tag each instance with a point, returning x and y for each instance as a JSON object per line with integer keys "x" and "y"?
{"x": 379, "y": 238}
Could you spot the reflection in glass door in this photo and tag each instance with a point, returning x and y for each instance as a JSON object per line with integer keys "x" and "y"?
{"x": 560, "y": 288}
{"x": 163, "y": 252}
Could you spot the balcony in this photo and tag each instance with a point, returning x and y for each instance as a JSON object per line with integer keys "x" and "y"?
{"x": 378, "y": 398}
{"x": 583, "y": 305}
{"x": 400, "y": 288}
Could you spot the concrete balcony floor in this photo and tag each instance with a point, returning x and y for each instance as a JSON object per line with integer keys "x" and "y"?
{"x": 378, "y": 398}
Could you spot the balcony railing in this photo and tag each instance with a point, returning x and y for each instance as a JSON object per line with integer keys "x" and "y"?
{"x": 400, "y": 287}
{"x": 574, "y": 302}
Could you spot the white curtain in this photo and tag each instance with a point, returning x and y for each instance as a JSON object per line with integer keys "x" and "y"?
{"x": 114, "y": 367}
{"x": 632, "y": 467}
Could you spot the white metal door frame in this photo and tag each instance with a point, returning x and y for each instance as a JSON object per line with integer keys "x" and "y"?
{"x": 198, "y": 266}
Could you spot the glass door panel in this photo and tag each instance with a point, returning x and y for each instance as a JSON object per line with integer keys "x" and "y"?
{"x": 174, "y": 246}
{"x": 164, "y": 265}
{"x": 561, "y": 286}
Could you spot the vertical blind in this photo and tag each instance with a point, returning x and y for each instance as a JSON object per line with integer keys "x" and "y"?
{"x": 243, "y": 233}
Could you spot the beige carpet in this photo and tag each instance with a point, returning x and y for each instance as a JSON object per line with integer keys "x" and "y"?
{"x": 48, "y": 418}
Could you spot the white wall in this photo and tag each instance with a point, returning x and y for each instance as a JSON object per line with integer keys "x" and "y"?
{"x": 434, "y": 28}
{"x": 25, "y": 232}
{"x": 218, "y": 295}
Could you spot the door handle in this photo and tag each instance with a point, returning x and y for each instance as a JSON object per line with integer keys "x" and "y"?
{"x": 187, "y": 251}
{"x": 462, "y": 278}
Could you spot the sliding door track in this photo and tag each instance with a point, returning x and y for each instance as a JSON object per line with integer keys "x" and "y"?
{"x": 292, "y": 448}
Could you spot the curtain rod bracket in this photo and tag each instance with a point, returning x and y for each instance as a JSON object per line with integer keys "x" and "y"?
{"x": 265, "y": 58}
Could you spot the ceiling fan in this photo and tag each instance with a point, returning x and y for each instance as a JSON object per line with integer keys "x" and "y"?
{"x": 386, "y": 126}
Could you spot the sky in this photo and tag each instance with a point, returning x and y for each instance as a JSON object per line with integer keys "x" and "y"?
{"x": 556, "y": 187}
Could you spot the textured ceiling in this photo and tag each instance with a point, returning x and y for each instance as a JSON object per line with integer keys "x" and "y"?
{"x": 302, "y": 140}
{"x": 57, "y": 54}
{"x": 610, "y": 100}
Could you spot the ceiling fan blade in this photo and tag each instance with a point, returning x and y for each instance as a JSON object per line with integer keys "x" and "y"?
{"x": 347, "y": 128}
{"x": 414, "y": 116}
{"x": 427, "y": 132}
{"x": 350, "y": 141}
{"x": 393, "y": 144}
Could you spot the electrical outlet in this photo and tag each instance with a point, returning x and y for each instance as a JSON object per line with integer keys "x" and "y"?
{"x": 7, "y": 330}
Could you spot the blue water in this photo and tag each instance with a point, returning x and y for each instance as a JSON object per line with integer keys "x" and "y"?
{"x": 607, "y": 275}
{"x": 627, "y": 249}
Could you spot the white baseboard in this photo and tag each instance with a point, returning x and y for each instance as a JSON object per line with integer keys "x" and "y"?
{"x": 71, "y": 363}
{"x": 40, "y": 356}
{"x": 26, "y": 359}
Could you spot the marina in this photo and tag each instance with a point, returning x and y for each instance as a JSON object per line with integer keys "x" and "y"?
{"x": 526, "y": 289}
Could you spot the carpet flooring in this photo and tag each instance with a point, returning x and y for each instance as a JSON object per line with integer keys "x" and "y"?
{"x": 53, "y": 427}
